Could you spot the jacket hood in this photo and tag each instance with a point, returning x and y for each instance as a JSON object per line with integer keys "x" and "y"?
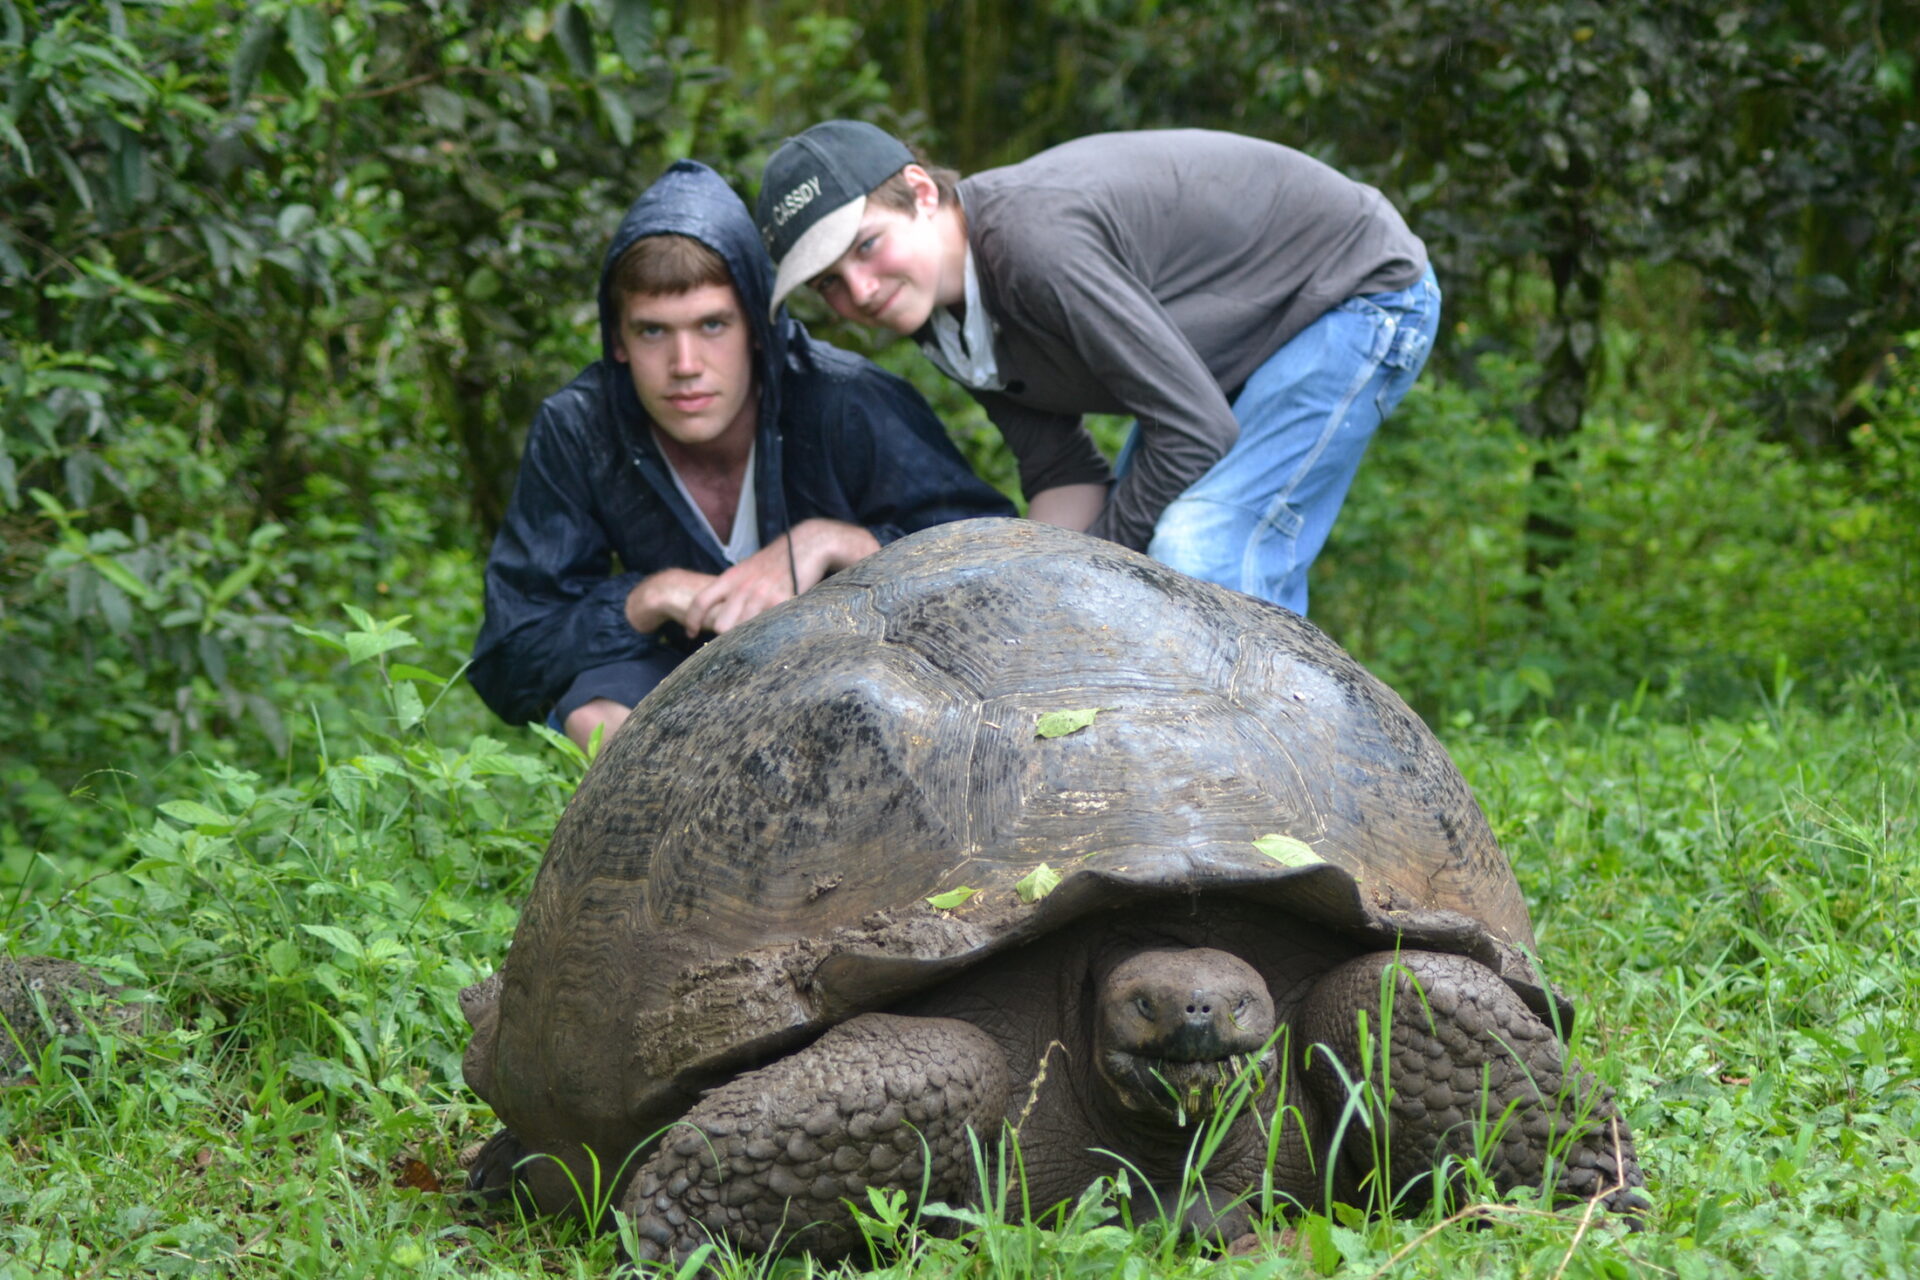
{"x": 692, "y": 200}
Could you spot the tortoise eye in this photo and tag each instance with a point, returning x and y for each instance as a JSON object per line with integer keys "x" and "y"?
{"x": 1145, "y": 1006}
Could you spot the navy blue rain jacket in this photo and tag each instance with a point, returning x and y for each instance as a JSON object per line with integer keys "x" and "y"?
{"x": 595, "y": 509}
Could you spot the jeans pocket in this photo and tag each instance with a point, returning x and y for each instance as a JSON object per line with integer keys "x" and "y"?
{"x": 1273, "y": 558}
{"x": 1408, "y": 350}
{"x": 1380, "y": 325}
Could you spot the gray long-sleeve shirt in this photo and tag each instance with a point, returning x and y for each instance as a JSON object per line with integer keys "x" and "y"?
{"x": 1151, "y": 273}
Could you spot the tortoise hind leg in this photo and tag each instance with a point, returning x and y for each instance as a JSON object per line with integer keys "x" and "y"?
{"x": 1468, "y": 1064}
{"x": 767, "y": 1160}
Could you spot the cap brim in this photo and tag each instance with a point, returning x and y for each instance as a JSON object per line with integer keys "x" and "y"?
{"x": 818, "y": 248}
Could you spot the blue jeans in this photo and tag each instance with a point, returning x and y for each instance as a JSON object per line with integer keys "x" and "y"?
{"x": 1258, "y": 517}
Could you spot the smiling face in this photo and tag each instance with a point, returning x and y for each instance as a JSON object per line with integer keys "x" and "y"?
{"x": 900, "y": 266}
{"x": 691, "y": 358}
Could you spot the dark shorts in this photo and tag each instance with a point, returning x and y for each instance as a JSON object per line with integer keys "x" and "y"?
{"x": 623, "y": 682}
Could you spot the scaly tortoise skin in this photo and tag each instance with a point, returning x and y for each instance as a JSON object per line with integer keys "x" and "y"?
{"x": 731, "y": 928}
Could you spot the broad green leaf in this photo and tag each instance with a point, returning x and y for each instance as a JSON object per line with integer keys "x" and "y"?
{"x": 12, "y": 265}
{"x": 11, "y": 134}
{"x": 407, "y": 707}
{"x": 952, "y": 898}
{"x": 633, "y": 31}
{"x": 346, "y": 787}
{"x": 120, "y": 576}
{"x": 115, "y": 607}
{"x": 482, "y": 186}
{"x": 357, "y": 246}
{"x": 362, "y": 645}
{"x": 283, "y": 958}
{"x": 619, "y": 115}
{"x": 384, "y": 765}
{"x": 68, "y": 378}
{"x": 444, "y": 108}
{"x": 324, "y": 1072}
{"x": 576, "y": 38}
{"x": 293, "y": 220}
{"x": 327, "y": 638}
{"x": 1288, "y": 851}
{"x": 539, "y": 100}
{"x": 337, "y": 938}
{"x": 75, "y": 179}
{"x": 256, "y": 42}
{"x": 127, "y": 172}
{"x": 218, "y": 247}
{"x": 402, "y": 671}
{"x": 236, "y": 582}
{"x": 1037, "y": 883}
{"x": 307, "y": 34}
{"x": 213, "y": 654}
{"x": 195, "y": 814}
{"x": 1058, "y": 724}
{"x": 483, "y": 284}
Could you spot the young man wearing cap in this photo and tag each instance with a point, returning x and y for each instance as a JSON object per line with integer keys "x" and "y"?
{"x": 1256, "y": 312}
{"x": 721, "y": 455}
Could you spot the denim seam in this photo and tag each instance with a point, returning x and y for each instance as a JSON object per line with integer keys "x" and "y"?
{"x": 1249, "y": 562}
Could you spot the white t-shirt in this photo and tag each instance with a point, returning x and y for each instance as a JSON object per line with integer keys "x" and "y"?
{"x": 746, "y": 517}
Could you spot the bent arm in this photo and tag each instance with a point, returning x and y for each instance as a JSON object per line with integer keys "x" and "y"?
{"x": 1110, "y": 319}
{"x": 553, "y": 605}
{"x": 1071, "y": 506}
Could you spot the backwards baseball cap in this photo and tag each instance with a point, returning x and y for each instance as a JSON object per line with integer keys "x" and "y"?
{"x": 814, "y": 193}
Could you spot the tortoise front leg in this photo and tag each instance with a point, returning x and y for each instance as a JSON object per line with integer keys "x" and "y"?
{"x": 1467, "y": 1064}
{"x": 767, "y": 1160}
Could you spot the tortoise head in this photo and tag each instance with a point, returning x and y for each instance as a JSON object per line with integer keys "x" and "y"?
{"x": 1173, "y": 1028}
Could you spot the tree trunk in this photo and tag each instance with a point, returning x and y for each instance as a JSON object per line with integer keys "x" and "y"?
{"x": 1569, "y": 353}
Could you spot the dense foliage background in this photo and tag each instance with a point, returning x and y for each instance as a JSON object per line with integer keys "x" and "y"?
{"x": 281, "y": 283}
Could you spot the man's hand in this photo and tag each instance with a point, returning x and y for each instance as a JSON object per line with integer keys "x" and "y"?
{"x": 663, "y": 597}
{"x": 768, "y": 576}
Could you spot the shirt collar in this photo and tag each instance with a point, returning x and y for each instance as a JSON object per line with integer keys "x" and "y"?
{"x": 964, "y": 351}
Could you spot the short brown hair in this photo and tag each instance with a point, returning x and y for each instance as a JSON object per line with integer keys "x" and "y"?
{"x": 896, "y": 195}
{"x": 668, "y": 264}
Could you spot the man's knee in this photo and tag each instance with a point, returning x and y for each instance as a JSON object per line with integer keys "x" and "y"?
{"x": 603, "y": 714}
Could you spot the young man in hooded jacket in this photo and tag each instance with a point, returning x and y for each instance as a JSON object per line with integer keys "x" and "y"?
{"x": 725, "y": 458}
{"x": 1255, "y": 311}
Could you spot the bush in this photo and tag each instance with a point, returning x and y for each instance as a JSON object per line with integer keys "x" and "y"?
{"x": 1708, "y": 562}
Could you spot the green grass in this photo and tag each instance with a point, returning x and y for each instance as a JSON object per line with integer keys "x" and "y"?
{"x": 1734, "y": 903}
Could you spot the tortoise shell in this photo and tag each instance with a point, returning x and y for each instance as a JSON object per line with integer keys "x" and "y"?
{"x": 757, "y": 854}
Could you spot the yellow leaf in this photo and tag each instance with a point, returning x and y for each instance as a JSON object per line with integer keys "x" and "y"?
{"x": 1037, "y": 883}
{"x": 1287, "y": 851}
{"x": 1058, "y": 724}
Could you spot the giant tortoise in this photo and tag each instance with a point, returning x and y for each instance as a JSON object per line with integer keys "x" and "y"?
{"x": 750, "y": 983}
